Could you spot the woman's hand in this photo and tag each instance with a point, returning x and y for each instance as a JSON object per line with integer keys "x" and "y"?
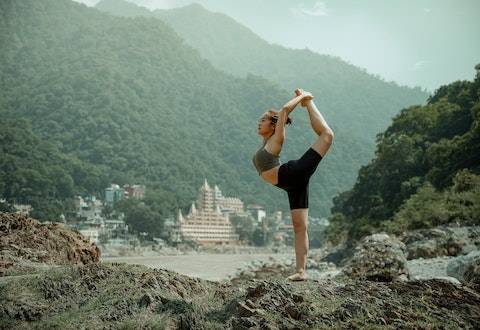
{"x": 307, "y": 96}
{"x": 301, "y": 96}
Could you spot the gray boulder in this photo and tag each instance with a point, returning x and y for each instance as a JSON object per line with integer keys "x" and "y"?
{"x": 441, "y": 241}
{"x": 457, "y": 267}
{"x": 378, "y": 257}
{"x": 472, "y": 274}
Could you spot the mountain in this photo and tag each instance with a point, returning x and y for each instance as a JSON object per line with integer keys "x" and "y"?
{"x": 356, "y": 104}
{"x": 36, "y": 172}
{"x": 127, "y": 95}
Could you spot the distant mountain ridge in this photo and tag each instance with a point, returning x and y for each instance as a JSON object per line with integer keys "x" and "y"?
{"x": 131, "y": 97}
{"x": 356, "y": 104}
{"x": 127, "y": 95}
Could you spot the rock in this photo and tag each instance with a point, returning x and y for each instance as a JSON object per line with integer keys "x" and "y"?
{"x": 243, "y": 323}
{"x": 444, "y": 278}
{"x": 26, "y": 239}
{"x": 250, "y": 304}
{"x": 312, "y": 263}
{"x": 441, "y": 241}
{"x": 472, "y": 274}
{"x": 378, "y": 257}
{"x": 297, "y": 298}
{"x": 257, "y": 291}
{"x": 244, "y": 310}
{"x": 457, "y": 266}
{"x": 146, "y": 300}
{"x": 325, "y": 304}
{"x": 423, "y": 249}
{"x": 339, "y": 255}
{"x": 292, "y": 311}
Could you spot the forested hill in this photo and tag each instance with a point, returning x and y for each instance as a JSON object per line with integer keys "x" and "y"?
{"x": 426, "y": 171}
{"x": 356, "y": 104}
{"x": 129, "y": 96}
{"x": 36, "y": 173}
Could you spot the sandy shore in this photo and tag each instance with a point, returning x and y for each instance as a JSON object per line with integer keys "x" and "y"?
{"x": 218, "y": 267}
{"x": 214, "y": 267}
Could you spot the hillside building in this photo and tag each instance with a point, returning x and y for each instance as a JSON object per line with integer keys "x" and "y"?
{"x": 209, "y": 223}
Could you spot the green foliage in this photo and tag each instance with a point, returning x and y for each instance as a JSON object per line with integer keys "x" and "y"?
{"x": 259, "y": 237}
{"x": 337, "y": 231}
{"x": 426, "y": 168}
{"x": 243, "y": 227}
{"x": 140, "y": 217}
{"x": 356, "y": 104}
{"x": 127, "y": 96}
{"x": 35, "y": 172}
{"x": 427, "y": 208}
{"x": 147, "y": 215}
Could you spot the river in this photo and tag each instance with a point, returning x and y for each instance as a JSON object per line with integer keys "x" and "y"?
{"x": 214, "y": 267}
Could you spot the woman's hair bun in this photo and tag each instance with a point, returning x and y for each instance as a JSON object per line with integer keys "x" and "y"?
{"x": 275, "y": 117}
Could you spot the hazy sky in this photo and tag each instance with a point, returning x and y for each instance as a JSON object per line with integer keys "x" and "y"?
{"x": 423, "y": 43}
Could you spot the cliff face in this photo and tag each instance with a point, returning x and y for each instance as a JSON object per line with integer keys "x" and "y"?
{"x": 25, "y": 244}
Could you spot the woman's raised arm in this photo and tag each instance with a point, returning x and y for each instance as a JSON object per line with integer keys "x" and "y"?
{"x": 288, "y": 107}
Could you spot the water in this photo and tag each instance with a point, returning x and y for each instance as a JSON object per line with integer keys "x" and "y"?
{"x": 214, "y": 267}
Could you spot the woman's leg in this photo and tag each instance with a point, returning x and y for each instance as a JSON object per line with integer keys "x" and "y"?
{"x": 298, "y": 199}
{"x": 320, "y": 126}
{"x": 300, "y": 223}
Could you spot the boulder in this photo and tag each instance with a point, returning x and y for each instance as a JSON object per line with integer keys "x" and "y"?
{"x": 457, "y": 267}
{"x": 378, "y": 257}
{"x": 472, "y": 274}
{"x": 339, "y": 255}
{"x": 26, "y": 244}
{"x": 441, "y": 241}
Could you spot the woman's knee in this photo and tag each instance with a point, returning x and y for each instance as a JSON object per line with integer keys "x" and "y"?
{"x": 300, "y": 220}
{"x": 322, "y": 144}
{"x": 300, "y": 228}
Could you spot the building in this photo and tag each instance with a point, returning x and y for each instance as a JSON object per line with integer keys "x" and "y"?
{"x": 91, "y": 233}
{"x": 257, "y": 212}
{"x": 89, "y": 208}
{"x": 134, "y": 191}
{"x": 207, "y": 224}
{"x": 228, "y": 204}
{"x": 113, "y": 194}
{"x": 24, "y": 209}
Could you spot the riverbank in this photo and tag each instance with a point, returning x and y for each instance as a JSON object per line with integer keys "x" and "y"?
{"x": 214, "y": 267}
{"x": 153, "y": 250}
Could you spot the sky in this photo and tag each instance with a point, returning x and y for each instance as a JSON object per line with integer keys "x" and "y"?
{"x": 426, "y": 43}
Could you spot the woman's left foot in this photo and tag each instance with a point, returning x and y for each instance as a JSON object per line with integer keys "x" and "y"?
{"x": 297, "y": 277}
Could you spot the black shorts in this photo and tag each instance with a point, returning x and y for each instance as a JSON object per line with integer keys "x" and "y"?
{"x": 294, "y": 176}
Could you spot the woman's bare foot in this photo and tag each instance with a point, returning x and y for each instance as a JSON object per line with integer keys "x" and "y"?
{"x": 299, "y": 92}
{"x": 300, "y": 276}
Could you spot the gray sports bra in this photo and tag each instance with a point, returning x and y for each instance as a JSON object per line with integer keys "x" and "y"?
{"x": 263, "y": 160}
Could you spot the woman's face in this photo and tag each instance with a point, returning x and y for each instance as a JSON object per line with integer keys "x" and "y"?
{"x": 265, "y": 125}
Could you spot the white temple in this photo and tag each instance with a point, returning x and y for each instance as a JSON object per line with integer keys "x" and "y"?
{"x": 209, "y": 224}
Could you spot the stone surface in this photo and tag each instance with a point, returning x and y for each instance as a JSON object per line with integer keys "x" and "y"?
{"x": 26, "y": 243}
{"x": 441, "y": 241}
{"x": 457, "y": 266}
{"x": 472, "y": 274}
{"x": 378, "y": 257}
{"x": 135, "y": 296}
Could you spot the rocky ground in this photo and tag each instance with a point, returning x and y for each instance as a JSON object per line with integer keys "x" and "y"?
{"x": 132, "y": 296}
{"x": 375, "y": 288}
{"x": 27, "y": 244}
{"x": 441, "y": 241}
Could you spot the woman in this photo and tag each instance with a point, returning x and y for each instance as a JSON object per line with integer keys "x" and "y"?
{"x": 294, "y": 175}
